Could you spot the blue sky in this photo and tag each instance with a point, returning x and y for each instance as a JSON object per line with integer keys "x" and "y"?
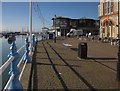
{"x": 16, "y": 15}
{"x": 0, "y": 16}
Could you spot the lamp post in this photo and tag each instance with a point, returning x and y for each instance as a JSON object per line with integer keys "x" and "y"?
{"x": 55, "y": 29}
{"x": 30, "y": 27}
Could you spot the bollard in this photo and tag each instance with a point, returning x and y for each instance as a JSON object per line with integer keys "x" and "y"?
{"x": 15, "y": 83}
{"x": 33, "y": 42}
{"x": 27, "y": 57}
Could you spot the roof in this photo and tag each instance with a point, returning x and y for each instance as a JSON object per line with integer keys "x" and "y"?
{"x": 60, "y": 17}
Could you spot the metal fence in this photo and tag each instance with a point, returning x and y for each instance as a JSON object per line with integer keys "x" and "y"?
{"x": 14, "y": 62}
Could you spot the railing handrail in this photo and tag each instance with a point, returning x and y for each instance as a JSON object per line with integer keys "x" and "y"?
{"x": 12, "y": 76}
{"x": 13, "y": 59}
{"x": 22, "y": 70}
{"x": 9, "y": 81}
{"x": 5, "y": 65}
{"x": 21, "y": 48}
{"x": 21, "y": 60}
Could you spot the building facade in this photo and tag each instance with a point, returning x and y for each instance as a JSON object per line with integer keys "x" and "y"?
{"x": 63, "y": 25}
{"x": 108, "y": 15}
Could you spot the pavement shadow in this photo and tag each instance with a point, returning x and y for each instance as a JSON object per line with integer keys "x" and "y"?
{"x": 97, "y": 58}
{"x": 76, "y": 73}
{"x": 33, "y": 78}
{"x": 55, "y": 70}
{"x": 102, "y": 58}
{"x": 56, "y": 64}
{"x": 74, "y": 49}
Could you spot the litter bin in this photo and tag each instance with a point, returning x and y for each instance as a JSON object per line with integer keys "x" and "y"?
{"x": 82, "y": 50}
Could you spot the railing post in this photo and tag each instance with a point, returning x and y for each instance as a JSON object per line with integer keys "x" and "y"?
{"x": 27, "y": 57}
{"x": 15, "y": 83}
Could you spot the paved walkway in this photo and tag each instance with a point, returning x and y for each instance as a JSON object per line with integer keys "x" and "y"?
{"x": 56, "y": 66}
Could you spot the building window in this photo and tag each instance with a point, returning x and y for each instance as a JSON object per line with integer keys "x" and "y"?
{"x": 63, "y": 23}
{"x": 112, "y": 6}
{"x": 57, "y": 22}
{"x": 105, "y": 8}
{"x": 73, "y": 23}
{"x": 109, "y": 6}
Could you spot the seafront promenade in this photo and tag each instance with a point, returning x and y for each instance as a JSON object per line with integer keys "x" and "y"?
{"x": 56, "y": 66}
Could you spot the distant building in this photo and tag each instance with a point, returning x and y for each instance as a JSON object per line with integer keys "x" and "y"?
{"x": 108, "y": 15}
{"x": 63, "y": 25}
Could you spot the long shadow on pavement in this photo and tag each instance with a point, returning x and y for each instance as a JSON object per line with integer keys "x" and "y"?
{"x": 102, "y": 58}
{"x": 57, "y": 73}
{"x": 33, "y": 79}
{"x": 82, "y": 78}
{"x": 74, "y": 49}
{"x": 96, "y": 58}
{"x": 56, "y": 64}
{"x": 102, "y": 62}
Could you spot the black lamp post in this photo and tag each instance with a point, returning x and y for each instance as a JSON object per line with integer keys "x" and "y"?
{"x": 55, "y": 28}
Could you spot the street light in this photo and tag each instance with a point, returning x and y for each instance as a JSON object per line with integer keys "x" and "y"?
{"x": 30, "y": 27}
{"x": 55, "y": 28}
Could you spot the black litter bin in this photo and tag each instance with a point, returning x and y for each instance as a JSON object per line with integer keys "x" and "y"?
{"x": 82, "y": 50}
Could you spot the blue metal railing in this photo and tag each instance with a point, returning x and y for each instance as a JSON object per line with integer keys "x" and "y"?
{"x": 15, "y": 75}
